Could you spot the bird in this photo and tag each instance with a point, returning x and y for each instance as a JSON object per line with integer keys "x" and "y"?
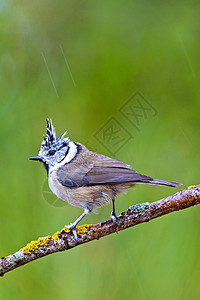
{"x": 84, "y": 178}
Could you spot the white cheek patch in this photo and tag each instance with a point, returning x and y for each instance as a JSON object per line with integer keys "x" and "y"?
{"x": 70, "y": 155}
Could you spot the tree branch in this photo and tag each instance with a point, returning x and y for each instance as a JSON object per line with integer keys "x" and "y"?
{"x": 64, "y": 240}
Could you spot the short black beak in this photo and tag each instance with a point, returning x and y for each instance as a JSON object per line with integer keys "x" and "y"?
{"x": 35, "y": 158}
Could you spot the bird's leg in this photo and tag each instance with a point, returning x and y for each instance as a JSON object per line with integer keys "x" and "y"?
{"x": 72, "y": 226}
{"x": 113, "y": 213}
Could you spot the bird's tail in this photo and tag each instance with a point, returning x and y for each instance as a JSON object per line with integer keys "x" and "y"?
{"x": 161, "y": 182}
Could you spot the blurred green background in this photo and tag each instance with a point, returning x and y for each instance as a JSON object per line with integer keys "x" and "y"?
{"x": 79, "y": 62}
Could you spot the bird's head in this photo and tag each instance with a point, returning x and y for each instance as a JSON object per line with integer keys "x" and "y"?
{"x": 54, "y": 150}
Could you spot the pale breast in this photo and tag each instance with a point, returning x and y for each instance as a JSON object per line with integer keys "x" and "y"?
{"x": 58, "y": 189}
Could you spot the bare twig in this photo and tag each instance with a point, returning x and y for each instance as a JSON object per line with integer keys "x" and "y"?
{"x": 64, "y": 240}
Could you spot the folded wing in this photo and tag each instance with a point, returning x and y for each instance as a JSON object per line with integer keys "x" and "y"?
{"x": 104, "y": 171}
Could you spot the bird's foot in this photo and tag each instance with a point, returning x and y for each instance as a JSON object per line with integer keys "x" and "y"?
{"x": 72, "y": 227}
{"x": 114, "y": 219}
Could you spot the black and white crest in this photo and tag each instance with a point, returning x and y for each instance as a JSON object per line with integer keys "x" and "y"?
{"x": 51, "y": 141}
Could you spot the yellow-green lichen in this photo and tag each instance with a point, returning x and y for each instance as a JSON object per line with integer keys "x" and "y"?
{"x": 191, "y": 186}
{"x": 43, "y": 242}
{"x": 83, "y": 228}
{"x": 79, "y": 229}
{"x": 33, "y": 245}
{"x": 65, "y": 230}
{"x": 55, "y": 236}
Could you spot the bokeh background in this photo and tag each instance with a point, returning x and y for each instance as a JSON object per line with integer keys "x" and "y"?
{"x": 79, "y": 62}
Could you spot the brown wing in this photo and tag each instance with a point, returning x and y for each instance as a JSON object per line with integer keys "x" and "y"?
{"x": 104, "y": 170}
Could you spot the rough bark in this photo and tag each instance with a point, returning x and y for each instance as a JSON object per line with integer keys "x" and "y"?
{"x": 64, "y": 239}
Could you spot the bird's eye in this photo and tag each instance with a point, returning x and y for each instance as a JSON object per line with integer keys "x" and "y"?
{"x": 52, "y": 152}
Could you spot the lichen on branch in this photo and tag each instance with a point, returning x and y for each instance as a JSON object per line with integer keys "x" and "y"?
{"x": 63, "y": 240}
